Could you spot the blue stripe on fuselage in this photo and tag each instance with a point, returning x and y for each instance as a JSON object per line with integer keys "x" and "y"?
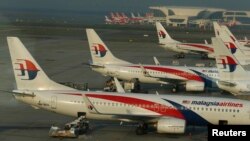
{"x": 191, "y": 117}
{"x": 207, "y": 80}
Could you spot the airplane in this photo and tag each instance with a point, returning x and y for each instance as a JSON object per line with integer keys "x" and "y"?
{"x": 232, "y": 39}
{"x": 240, "y": 52}
{"x": 104, "y": 62}
{"x": 165, "y": 113}
{"x": 108, "y": 21}
{"x": 138, "y": 19}
{"x": 167, "y": 42}
{"x": 232, "y": 76}
{"x": 117, "y": 19}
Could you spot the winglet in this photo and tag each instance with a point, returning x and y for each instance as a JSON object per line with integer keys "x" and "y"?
{"x": 118, "y": 86}
{"x": 206, "y": 42}
{"x": 156, "y": 61}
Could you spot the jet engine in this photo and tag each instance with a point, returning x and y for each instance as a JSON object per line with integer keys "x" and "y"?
{"x": 171, "y": 125}
{"x": 195, "y": 86}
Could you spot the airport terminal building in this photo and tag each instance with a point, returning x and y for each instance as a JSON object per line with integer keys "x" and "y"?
{"x": 184, "y": 16}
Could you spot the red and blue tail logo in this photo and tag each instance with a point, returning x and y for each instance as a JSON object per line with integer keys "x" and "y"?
{"x": 228, "y": 61}
{"x": 232, "y": 47}
{"x": 99, "y": 50}
{"x": 162, "y": 34}
{"x": 27, "y": 68}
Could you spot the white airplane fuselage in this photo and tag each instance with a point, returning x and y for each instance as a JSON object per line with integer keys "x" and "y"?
{"x": 126, "y": 107}
{"x": 173, "y": 47}
{"x": 159, "y": 73}
{"x": 193, "y": 48}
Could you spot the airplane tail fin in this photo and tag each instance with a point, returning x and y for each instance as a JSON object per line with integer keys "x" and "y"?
{"x": 228, "y": 66}
{"x": 231, "y": 42}
{"x": 99, "y": 51}
{"x": 217, "y": 29}
{"x": 28, "y": 74}
{"x": 163, "y": 35}
{"x": 225, "y": 34}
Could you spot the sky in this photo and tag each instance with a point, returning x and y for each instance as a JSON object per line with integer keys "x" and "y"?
{"x": 117, "y": 5}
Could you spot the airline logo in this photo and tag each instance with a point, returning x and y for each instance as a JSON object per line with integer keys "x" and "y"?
{"x": 231, "y": 46}
{"x": 28, "y": 71}
{"x": 99, "y": 50}
{"x": 213, "y": 103}
{"x": 162, "y": 34}
{"x": 228, "y": 61}
{"x": 185, "y": 102}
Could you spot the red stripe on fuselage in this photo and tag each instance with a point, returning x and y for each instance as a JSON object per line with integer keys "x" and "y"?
{"x": 145, "y": 104}
{"x": 200, "y": 46}
{"x": 187, "y": 75}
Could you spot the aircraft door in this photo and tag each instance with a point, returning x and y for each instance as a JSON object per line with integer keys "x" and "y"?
{"x": 53, "y": 102}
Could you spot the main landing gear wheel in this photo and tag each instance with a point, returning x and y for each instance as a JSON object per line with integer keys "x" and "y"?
{"x": 204, "y": 56}
{"x": 175, "y": 89}
{"x": 180, "y": 55}
{"x": 141, "y": 129}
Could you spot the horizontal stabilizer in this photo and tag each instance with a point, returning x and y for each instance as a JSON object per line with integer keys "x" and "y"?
{"x": 225, "y": 83}
{"x": 156, "y": 61}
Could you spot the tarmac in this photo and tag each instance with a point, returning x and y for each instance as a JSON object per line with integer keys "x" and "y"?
{"x": 64, "y": 59}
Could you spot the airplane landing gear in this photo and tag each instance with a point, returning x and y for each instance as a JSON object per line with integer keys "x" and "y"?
{"x": 204, "y": 56}
{"x": 180, "y": 55}
{"x": 141, "y": 129}
{"x": 71, "y": 130}
{"x": 175, "y": 88}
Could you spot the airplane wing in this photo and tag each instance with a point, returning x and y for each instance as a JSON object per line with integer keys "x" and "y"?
{"x": 137, "y": 118}
{"x": 196, "y": 48}
{"x": 226, "y": 83}
{"x": 91, "y": 108}
{"x": 123, "y": 117}
{"x": 163, "y": 80}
